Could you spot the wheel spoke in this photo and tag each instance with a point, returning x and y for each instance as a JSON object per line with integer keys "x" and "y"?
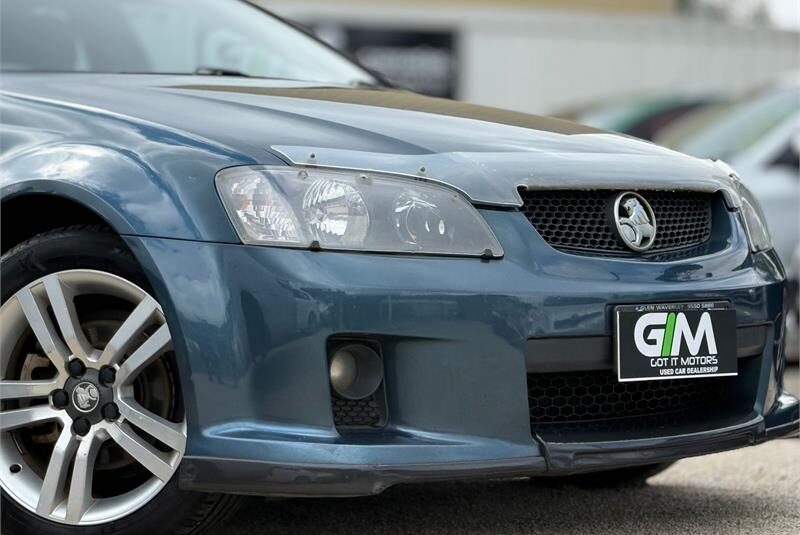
{"x": 29, "y": 416}
{"x": 149, "y": 457}
{"x": 43, "y": 330}
{"x": 127, "y": 332}
{"x": 26, "y": 389}
{"x": 61, "y": 300}
{"x": 146, "y": 353}
{"x": 57, "y": 469}
{"x": 80, "y": 488}
{"x": 167, "y": 432}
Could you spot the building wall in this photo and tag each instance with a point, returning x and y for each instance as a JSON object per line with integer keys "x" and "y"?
{"x": 541, "y": 60}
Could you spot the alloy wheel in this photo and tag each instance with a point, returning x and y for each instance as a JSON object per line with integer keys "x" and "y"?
{"x": 91, "y": 422}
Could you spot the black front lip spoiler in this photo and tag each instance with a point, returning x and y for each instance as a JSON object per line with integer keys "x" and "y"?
{"x": 303, "y": 480}
{"x": 787, "y": 430}
{"x": 576, "y": 457}
{"x": 294, "y": 480}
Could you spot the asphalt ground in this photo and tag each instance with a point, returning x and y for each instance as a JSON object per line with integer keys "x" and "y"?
{"x": 751, "y": 490}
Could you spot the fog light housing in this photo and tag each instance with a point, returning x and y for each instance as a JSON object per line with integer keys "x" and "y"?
{"x": 356, "y": 371}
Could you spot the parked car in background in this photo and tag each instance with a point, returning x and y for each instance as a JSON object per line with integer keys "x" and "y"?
{"x": 759, "y": 136}
{"x": 639, "y": 116}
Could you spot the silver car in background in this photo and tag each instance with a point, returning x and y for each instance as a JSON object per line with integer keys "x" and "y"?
{"x": 759, "y": 136}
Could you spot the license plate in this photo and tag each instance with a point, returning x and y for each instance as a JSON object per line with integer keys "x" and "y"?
{"x": 675, "y": 341}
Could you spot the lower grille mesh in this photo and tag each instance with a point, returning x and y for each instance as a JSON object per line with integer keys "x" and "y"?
{"x": 574, "y": 397}
{"x": 356, "y": 412}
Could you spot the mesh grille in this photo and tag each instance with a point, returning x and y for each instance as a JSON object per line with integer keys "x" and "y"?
{"x": 356, "y": 412}
{"x": 574, "y": 397}
{"x": 579, "y": 220}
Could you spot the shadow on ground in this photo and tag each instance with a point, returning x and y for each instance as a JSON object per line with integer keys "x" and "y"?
{"x": 514, "y": 507}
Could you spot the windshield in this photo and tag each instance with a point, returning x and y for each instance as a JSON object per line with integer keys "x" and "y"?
{"x": 164, "y": 36}
{"x": 730, "y": 130}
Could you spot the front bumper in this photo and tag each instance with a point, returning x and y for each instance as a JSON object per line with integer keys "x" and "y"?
{"x": 342, "y": 480}
{"x": 251, "y": 324}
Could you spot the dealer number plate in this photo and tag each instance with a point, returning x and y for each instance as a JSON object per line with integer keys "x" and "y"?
{"x": 675, "y": 341}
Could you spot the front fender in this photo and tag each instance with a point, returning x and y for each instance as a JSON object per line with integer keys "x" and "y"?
{"x": 127, "y": 192}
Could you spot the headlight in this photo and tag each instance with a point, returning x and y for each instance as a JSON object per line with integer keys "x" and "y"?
{"x": 347, "y": 210}
{"x": 754, "y": 223}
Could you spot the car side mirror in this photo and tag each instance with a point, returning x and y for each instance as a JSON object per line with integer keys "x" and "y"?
{"x": 790, "y": 157}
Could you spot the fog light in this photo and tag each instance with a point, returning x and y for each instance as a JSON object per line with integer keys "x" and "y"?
{"x": 356, "y": 371}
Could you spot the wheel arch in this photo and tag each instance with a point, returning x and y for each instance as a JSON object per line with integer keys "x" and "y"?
{"x": 26, "y": 212}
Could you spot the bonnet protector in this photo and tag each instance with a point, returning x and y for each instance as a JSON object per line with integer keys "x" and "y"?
{"x": 493, "y": 178}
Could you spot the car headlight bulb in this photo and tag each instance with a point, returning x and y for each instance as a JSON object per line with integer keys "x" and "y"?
{"x": 419, "y": 222}
{"x": 336, "y": 211}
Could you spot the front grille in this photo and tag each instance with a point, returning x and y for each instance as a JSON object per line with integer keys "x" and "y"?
{"x": 354, "y": 413}
{"x": 575, "y": 399}
{"x": 580, "y": 220}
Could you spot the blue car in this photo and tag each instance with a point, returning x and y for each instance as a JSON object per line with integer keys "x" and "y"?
{"x": 235, "y": 262}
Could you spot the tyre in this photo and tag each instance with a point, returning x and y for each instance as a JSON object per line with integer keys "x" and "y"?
{"x": 633, "y": 476}
{"x": 92, "y": 418}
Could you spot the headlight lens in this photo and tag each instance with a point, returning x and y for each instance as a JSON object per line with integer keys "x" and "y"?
{"x": 754, "y": 223}
{"x": 331, "y": 209}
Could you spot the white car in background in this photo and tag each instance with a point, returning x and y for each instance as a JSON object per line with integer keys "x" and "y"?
{"x": 759, "y": 136}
